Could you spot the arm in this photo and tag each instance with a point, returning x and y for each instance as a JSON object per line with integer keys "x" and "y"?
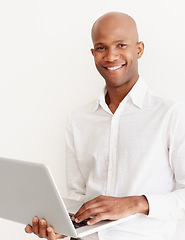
{"x": 76, "y": 188}
{"x": 111, "y": 208}
{"x": 163, "y": 206}
{"x": 75, "y": 182}
{"x": 172, "y": 205}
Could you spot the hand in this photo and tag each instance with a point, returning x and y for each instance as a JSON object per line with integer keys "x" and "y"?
{"x": 111, "y": 208}
{"x": 40, "y": 229}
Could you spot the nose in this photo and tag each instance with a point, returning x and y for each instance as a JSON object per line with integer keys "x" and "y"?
{"x": 111, "y": 55}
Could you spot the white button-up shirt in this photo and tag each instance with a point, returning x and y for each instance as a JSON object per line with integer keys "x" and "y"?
{"x": 138, "y": 150}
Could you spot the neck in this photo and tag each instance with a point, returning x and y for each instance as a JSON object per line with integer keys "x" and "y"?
{"x": 116, "y": 94}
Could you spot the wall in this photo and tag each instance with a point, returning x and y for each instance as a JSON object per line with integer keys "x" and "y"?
{"x": 47, "y": 71}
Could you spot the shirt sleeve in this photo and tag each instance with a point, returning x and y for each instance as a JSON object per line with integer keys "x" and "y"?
{"x": 172, "y": 205}
{"x": 75, "y": 182}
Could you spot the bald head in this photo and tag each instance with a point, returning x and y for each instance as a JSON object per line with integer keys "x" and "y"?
{"x": 116, "y": 49}
{"x": 114, "y": 20}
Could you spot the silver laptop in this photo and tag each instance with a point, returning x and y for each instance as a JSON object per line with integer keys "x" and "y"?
{"x": 28, "y": 189}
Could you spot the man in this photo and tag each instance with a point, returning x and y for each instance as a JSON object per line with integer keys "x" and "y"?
{"x": 126, "y": 150}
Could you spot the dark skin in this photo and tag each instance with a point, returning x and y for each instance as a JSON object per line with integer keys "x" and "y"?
{"x": 116, "y": 52}
{"x": 40, "y": 228}
{"x": 116, "y": 44}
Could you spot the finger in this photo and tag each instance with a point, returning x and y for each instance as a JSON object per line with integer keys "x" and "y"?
{"x": 52, "y": 235}
{"x": 99, "y": 217}
{"x": 59, "y": 236}
{"x": 89, "y": 213}
{"x": 42, "y": 228}
{"x": 28, "y": 229}
{"x": 35, "y": 224}
{"x": 94, "y": 203}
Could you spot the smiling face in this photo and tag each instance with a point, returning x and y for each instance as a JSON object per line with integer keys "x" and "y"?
{"x": 116, "y": 49}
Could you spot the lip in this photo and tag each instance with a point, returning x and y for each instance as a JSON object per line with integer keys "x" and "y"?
{"x": 114, "y": 68}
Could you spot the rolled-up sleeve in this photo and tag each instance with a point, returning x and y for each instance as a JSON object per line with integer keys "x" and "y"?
{"x": 172, "y": 205}
{"x": 75, "y": 182}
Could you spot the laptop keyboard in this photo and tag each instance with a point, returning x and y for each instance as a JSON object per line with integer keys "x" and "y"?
{"x": 78, "y": 225}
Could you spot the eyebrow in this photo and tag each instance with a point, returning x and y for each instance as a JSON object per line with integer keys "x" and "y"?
{"x": 119, "y": 41}
{"x": 100, "y": 43}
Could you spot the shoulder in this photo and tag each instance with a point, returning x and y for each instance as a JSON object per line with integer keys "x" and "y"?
{"x": 160, "y": 101}
{"x": 86, "y": 110}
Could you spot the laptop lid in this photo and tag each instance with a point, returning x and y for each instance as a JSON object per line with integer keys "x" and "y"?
{"x": 28, "y": 189}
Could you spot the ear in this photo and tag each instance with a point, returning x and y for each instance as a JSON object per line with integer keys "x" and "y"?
{"x": 140, "y": 49}
{"x": 92, "y": 51}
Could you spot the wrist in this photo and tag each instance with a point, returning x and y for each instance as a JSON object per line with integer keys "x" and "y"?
{"x": 135, "y": 204}
{"x": 143, "y": 206}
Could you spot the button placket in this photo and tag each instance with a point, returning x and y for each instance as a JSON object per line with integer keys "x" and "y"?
{"x": 113, "y": 151}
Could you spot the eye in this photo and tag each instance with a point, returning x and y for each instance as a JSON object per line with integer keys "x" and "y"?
{"x": 101, "y": 48}
{"x": 122, "y": 45}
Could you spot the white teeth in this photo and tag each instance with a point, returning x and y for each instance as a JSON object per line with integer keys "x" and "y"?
{"x": 113, "y": 68}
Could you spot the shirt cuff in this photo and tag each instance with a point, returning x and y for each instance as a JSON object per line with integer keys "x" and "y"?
{"x": 158, "y": 206}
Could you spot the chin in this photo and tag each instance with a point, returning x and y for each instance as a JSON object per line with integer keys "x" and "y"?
{"x": 116, "y": 82}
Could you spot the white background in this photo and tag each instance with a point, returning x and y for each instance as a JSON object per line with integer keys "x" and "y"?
{"x": 46, "y": 71}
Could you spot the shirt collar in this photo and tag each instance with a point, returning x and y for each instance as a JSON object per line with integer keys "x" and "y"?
{"x": 100, "y": 99}
{"x": 137, "y": 94}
